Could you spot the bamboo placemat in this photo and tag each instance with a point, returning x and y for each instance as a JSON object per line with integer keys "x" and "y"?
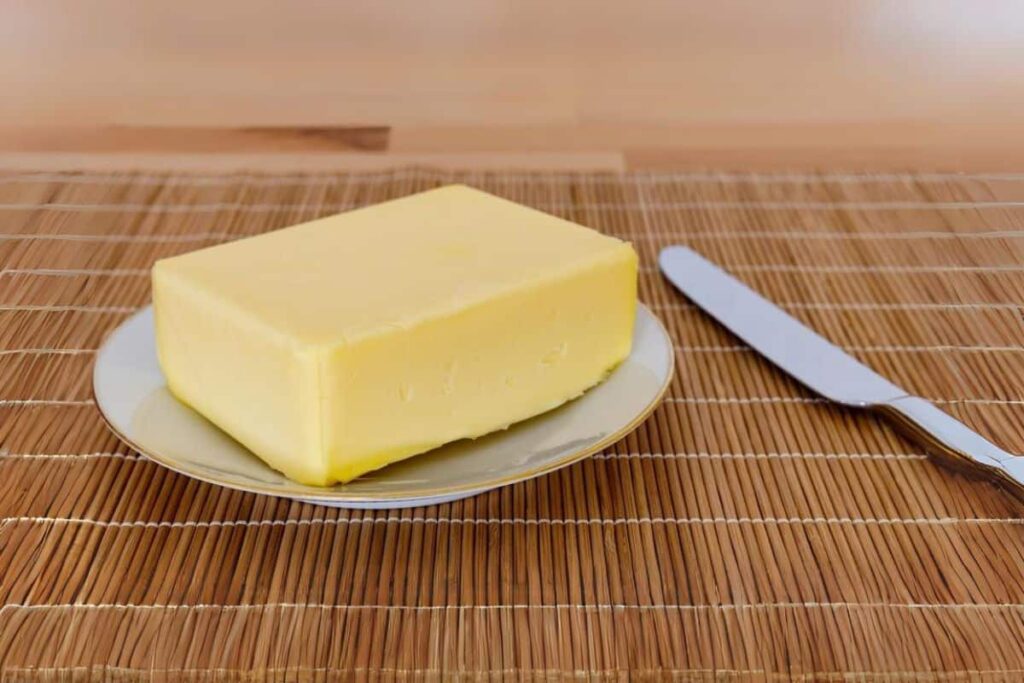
{"x": 746, "y": 531}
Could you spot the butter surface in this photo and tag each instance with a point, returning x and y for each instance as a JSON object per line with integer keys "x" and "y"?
{"x": 335, "y": 347}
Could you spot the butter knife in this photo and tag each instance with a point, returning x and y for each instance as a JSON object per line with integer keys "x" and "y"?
{"x": 831, "y": 372}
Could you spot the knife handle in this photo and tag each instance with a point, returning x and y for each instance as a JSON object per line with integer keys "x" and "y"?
{"x": 953, "y": 443}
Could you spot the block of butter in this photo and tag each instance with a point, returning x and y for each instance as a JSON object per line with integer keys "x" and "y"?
{"x": 332, "y": 348}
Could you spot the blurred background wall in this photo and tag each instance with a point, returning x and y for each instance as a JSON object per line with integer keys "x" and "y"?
{"x": 526, "y": 72}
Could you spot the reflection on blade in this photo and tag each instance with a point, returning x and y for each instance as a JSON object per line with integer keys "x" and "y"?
{"x": 779, "y": 337}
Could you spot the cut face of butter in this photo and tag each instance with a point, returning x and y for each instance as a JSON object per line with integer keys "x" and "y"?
{"x": 335, "y": 347}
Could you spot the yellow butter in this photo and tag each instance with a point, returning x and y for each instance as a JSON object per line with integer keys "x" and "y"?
{"x": 335, "y": 347}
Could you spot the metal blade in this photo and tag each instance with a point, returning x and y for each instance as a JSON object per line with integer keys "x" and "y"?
{"x": 801, "y": 352}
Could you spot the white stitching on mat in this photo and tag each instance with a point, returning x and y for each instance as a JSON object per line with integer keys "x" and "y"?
{"x": 739, "y": 400}
{"x": 761, "y": 456}
{"x": 978, "y": 401}
{"x": 786, "y": 268}
{"x": 736, "y": 268}
{"x": 713, "y": 176}
{"x": 653, "y": 235}
{"x": 211, "y": 207}
{"x": 849, "y": 270}
{"x": 812, "y": 234}
{"x": 71, "y": 272}
{"x": 713, "y": 400}
{"x": 732, "y": 521}
{"x": 682, "y": 348}
{"x": 259, "y": 207}
{"x": 65, "y": 309}
{"x": 229, "y": 178}
{"x": 729, "y": 607}
{"x": 728, "y": 400}
{"x": 46, "y": 352}
{"x": 784, "y": 205}
{"x": 795, "y": 305}
{"x": 598, "y": 456}
{"x": 43, "y": 402}
{"x": 864, "y": 306}
{"x": 159, "y": 239}
{"x": 70, "y": 456}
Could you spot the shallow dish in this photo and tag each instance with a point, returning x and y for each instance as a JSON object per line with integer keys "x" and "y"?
{"x": 132, "y": 395}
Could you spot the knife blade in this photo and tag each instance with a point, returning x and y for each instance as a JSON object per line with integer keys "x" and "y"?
{"x": 829, "y": 371}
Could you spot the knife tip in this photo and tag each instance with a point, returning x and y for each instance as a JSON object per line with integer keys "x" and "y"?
{"x": 672, "y": 252}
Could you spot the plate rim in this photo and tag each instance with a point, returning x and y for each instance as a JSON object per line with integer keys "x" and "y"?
{"x": 398, "y": 496}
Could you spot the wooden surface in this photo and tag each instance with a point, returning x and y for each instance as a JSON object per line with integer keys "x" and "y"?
{"x": 474, "y": 62}
{"x": 746, "y": 531}
{"x": 736, "y": 85}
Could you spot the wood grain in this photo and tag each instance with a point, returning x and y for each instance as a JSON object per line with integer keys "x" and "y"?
{"x": 662, "y": 84}
{"x": 452, "y": 62}
{"x": 746, "y": 531}
{"x": 185, "y": 140}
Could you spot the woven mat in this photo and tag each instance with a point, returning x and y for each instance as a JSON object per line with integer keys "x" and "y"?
{"x": 746, "y": 531}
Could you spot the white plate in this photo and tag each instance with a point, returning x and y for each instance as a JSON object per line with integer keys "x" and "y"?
{"x": 132, "y": 395}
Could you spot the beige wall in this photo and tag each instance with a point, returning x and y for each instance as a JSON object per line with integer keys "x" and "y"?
{"x": 500, "y": 62}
